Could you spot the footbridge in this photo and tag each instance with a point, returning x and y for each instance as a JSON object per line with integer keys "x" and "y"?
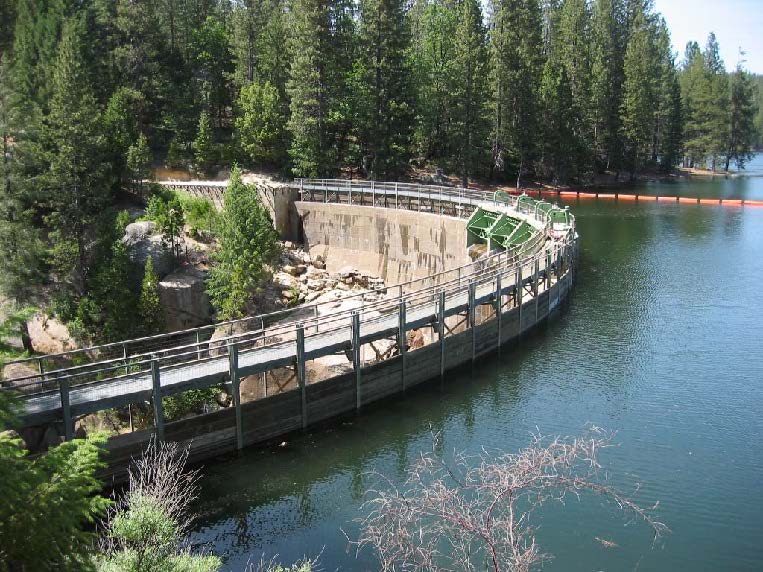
{"x": 469, "y": 310}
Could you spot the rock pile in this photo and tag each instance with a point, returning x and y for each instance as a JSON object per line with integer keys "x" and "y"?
{"x": 304, "y": 280}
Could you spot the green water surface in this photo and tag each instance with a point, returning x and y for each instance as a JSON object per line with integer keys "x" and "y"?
{"x": 661, "y": 341}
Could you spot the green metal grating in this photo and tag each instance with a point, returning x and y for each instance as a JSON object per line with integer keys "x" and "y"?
{"x": 480, "y": 223}
{"x": 559, "y": 216}
{"x": 501, "y": 230}
{"x": 526, "y": 201}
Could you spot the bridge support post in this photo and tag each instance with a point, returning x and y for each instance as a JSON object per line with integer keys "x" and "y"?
{"x": 236, "y": 385}
{"x": 498, "y": 309}
{"x": 156, "y": 400}
{"x": 66, "y": 408}
{"x": 301, "y": 371}
{"x": 535, "y": 286}
{"x": 473, "y": 317}
{"x": 520, "y": 293}
{"x": 356, "y": 356}
{"x": 441, "y": 331}
{"x": 402, "y": 340}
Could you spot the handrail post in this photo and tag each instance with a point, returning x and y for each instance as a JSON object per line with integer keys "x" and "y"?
{"x": 301, "y": 371}
{"x": 236, "y": 387}
{"x": 473, "y": 317}
{"x": 402, "y": 339}
{"x": 535, "y": 286}
{"x": 498, "y": 307}
{"x": 156, "y": 400}
{"x": 441, "y": 331}
{"x": 356, "y": 356}
{"x": 63, "y": 387}
{"x": 198, "y": 345}
{"x": 520, "y": 294}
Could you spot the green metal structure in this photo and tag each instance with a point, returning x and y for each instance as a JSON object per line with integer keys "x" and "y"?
{"x": 481, "y": 222}
{"x": 501, "y": 231}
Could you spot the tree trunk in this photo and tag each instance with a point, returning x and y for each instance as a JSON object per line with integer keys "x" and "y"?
{"x": 26, "y": 340}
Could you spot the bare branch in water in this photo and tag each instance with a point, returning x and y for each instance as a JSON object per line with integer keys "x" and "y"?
{"x": 474, "y": 513}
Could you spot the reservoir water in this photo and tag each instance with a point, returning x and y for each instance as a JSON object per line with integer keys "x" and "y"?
{"x": 662, "y": 341}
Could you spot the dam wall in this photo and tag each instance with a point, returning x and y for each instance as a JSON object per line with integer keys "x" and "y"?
{"x": 449, "y": 316}
{"x": 396, "y": 245}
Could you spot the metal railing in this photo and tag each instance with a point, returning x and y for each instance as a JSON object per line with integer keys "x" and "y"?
{"x": 130, "y": 358}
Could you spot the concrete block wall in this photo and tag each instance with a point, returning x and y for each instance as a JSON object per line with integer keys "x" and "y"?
{"x": 396, "y": 245}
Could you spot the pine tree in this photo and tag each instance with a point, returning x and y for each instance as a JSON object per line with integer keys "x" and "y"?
{"x": 714, "y": 102}
{"x": 343, "y": 54}
{"x": 77, "y": 187}
{"x": 382, "y": 97}
{"x": 122, "y": 128}
{"x": 573, "y": 39}
{"x": 560, "y": 124}
{"x": 743, "y": 111}
{"x": 149, "y": 304}
{"x": 608, "y": 54}
{"x": 639, "y": 99}
{"x": 469, "y": 70}
{"x": 106, "y": 313}
{"x": 21, "y": 270}
{"x": 671, "y": 142}
{"x": 310, "y": 90}
{"x": 245, "y": 24}
{"x": 693, "y": 82}
{"x": 430, "y": 56}
{"x": 32, "y": 536}
{"x": 247, "y": 242}
{"x": 204, "y": 148}
{"x": 213, "y": 65}
{"x": 260, "y": 124}
{"x": 147, "y": 65}
{"x": 139, "y": 162}
{"x": 517, "y": 47}
{"x": 666, "y": 139}
{"x": 7, "y": 24}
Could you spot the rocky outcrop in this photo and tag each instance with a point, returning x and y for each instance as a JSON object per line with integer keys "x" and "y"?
{"x": 49, "y": 336}
{"x": 184, "y": 301}
{"x": 16, "y": 371}
{"x": 143, "y": 241}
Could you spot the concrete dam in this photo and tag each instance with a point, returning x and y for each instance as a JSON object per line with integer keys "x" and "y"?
{"x": 415, "y": 237}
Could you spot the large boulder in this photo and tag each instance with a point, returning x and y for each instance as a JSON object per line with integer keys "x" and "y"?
{"x": 49, "y": 336}
{"x": 16, "y": 371}
{"x": 184, "y": 301}
{"x": 144, "y": 241}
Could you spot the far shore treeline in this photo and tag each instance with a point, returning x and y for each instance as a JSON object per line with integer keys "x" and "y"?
{"x": 95, "y": 92}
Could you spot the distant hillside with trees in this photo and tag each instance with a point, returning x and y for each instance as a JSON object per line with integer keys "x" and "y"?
{"x": 93, "y": 92}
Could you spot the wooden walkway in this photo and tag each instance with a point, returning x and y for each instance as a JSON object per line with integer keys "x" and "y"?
{"x": 504, "y": 280}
